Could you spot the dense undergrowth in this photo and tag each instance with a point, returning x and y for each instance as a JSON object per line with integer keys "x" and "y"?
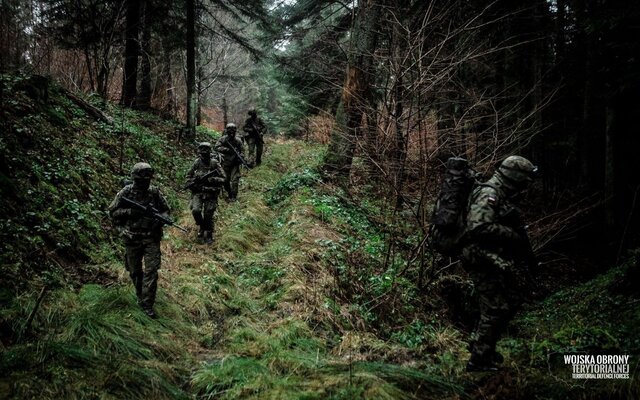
{"x": 306, "y": 294}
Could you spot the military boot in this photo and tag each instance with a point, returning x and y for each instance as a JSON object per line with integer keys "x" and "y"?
{"x": 201, "y": 233}
{"x": 480, "y": 364}
{"x": 150, "y": 313}
{"x": 497, "y": 358}
{"x": 208, "y": 237}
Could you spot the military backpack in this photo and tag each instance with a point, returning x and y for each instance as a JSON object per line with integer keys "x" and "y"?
{"x": 449, "y": 216}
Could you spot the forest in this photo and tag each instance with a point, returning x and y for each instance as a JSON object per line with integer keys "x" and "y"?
{"x": 322, "y": 276}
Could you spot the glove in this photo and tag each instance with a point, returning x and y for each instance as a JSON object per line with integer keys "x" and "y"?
{"x": 134, "y": 213}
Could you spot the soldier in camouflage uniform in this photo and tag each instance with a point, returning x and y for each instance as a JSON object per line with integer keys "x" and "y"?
{"x": 254, "y": 129}
{"x": 496, "y": 251}
{"x": 141, "y": 233}
{"x": 228, "y": 145}
{"x": 204, "y": 192}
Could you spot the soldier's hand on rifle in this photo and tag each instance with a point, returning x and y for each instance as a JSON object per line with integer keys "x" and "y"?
{"x": 134, "y": 213}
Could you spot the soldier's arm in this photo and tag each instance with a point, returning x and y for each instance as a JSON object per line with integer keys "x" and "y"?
{"x": 162, "y": 204}
{"x": 220, "y": 175}
{"x": 483, "y": 224}
{"x": 192, "y": 171}
{"x": 240, "y": 147}
{"x": 117, "y": 212}
{"x": 247, "y": 126}
{"x": 221, "y": 146}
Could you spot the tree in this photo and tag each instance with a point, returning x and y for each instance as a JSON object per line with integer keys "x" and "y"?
{"x": 191, "y": 69}
{"x": 131, "y": 54}
{"x": 144, "y": 97}
{"x": 357, "y": 94}
{"x": 90, "y": 26}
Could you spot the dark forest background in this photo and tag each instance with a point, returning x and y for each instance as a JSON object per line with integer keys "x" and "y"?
{"x": 400, "y": 85}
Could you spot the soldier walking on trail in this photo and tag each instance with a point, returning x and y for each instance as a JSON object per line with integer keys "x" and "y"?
{"x": 496, "y": 252}
{"x": 232, "y": 152}
{"x": 141, "y": 232}
{"x": 205, "y": 179}
{"x": 254, "y": 129}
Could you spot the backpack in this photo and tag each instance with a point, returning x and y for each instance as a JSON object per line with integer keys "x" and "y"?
{"x": 449, "y": 217}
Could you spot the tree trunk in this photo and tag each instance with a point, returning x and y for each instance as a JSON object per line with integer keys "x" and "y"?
{"x": 131, "y": 52}
{"x": 87, "y": 59}
{"x": 356, "y": 92}
{"x": 144, "y": 100}
{"x": 191, "y": 69}
{"x": 199, "y": 96}
{"x": 225, "y": 110}
{"x": 171, "y": 105}
{"x": 400, "y": 153}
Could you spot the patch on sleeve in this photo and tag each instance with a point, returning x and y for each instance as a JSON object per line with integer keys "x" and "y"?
{"x": 492, "y": 200}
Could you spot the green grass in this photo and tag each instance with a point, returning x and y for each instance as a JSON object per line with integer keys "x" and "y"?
{"x": 97, "y": 341}
{"x": 275, "y": 346}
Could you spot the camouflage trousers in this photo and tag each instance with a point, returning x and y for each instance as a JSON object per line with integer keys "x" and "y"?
{"x": 233, "y": 180}
{"x": 203, "y": 207}
{"x": 144, "y": 280}
{"x": 254, "y": 147}
{"x": 499, "y": 299}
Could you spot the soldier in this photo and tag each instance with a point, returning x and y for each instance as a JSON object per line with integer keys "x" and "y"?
{"x": 204, "y": 179}
{"x": 232, "y": 152}
{"x": 141, "y": 232}
{"x": 496, "y": 250}
{"x": 254, "y": 128}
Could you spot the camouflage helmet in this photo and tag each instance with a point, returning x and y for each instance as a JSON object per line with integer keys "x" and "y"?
{"x": 231, "y": 126}
{"x": 204, "y": 147}
{"x": 141, "y": 170}
{"x": 252, "y": 112}
{"x": 518, "y": 169}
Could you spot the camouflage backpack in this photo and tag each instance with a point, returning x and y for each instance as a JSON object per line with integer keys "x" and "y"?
{"x": 449, "y": 216}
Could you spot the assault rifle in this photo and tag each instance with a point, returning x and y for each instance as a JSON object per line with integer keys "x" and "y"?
{"x": 258, "y": 131}
{"x": 152, "y": 212}
{"x": 242, "y": 160}
{"x": 525, "y": 253}
{"x": 198, "y": 180}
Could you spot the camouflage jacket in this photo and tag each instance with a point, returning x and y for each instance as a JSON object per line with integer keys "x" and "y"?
{"x": 254, "y": 127}
{"x": 223, "y": 146}
{"x": 494, "y": 225}
{"x": 201, "y": 168}
{"x": 132, "y": 224}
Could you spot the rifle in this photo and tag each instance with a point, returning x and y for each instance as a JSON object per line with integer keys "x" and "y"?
{"x": 242, "y": 160}
{"x": 526, "y": 254}
{"x": 152, "y": 212}
{"x": 195, "y": 182}
{"x": 259, "y": 134}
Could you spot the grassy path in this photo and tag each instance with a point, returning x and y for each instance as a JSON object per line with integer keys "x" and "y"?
{"x": 257, "y": 301}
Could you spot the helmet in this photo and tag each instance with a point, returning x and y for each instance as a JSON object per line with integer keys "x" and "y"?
{"x": 141, "y": 170}
{"x": 252, "y": 112}
{"x": 231, "y": 127}
{"x": 204, "y": 147}
{"x": 518, "y": 169}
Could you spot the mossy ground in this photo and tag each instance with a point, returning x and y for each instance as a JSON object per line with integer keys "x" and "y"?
{"x": 300, "y": 297}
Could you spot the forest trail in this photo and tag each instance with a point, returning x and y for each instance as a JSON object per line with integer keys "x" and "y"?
{"x": 245, "y": 232}
{"x": 264, "y": 327}
{"x": 255, "y": 321}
